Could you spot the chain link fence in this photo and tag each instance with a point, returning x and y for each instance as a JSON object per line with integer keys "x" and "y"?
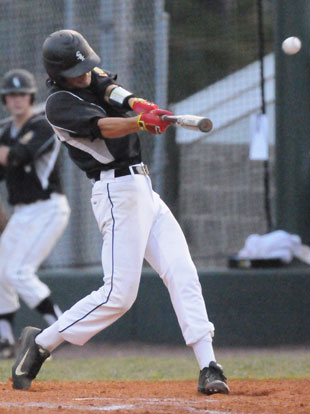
{"x": 167, "y": 52}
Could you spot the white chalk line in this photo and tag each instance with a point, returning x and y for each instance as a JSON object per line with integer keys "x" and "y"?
{"x": 143, "y": 403}
{"x": 188, "y": 404}
{"x": 69, "y": 406}
{"x": 155, "y": 400}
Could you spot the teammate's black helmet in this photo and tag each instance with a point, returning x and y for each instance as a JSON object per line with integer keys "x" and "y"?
{"x": 66, "y": 53}
{"x": 18, "y": 81}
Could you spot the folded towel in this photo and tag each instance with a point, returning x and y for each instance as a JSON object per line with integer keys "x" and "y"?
{"x": 277, "y": 244}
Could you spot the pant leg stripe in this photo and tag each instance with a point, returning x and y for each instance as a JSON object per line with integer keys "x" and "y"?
{"x": 109, "y": 294}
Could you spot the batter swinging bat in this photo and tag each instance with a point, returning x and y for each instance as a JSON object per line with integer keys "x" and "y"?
{"x": 193, "y": 122}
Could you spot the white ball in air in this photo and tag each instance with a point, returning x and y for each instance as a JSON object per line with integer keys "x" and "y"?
{"x": 291, "y": 45}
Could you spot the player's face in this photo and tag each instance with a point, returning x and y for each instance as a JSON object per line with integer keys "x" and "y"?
{"x": 18, "y": 104}
{"x": 82, "y": 81}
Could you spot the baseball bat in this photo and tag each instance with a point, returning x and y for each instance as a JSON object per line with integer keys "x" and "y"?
{"x": 192, "y": 122}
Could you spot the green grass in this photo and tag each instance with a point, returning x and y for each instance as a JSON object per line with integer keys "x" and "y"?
{"x": 258, "y": 366}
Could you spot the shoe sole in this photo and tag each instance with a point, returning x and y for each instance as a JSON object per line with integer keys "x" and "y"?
{"x": 21, "y": 382}
{"x": 215, "y": 387}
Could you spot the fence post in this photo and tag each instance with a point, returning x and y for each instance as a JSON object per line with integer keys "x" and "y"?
{"x": 293, "y": 120}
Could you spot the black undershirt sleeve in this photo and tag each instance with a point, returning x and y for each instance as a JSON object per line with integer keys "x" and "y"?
{"x": 101, "y": 80}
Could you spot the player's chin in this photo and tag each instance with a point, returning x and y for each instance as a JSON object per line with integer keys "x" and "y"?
{"x": 83, "y": 84}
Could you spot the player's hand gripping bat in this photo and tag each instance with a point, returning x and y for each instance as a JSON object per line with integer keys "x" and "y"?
{"x": 193, "y": 122}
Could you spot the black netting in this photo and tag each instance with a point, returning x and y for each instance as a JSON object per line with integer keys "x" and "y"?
{"x": 198, "y": 57}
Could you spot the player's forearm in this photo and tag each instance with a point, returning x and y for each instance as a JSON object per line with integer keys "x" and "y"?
{"x": 117, "y": 127}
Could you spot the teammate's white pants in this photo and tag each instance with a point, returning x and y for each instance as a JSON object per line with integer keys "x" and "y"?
{"x": 135, "y": 223}
{"x": 27, "y": 240}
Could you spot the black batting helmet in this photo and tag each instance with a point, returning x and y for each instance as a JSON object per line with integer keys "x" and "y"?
{"x": 18, "y": 81}
{"x": 66, "y": 53}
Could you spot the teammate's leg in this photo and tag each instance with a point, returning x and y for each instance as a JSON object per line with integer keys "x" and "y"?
{"x": 9, "y": 304}
{"x": 7, "y": 340}
{"x": 49, "y": 310}
{"x": 26, "y": 242}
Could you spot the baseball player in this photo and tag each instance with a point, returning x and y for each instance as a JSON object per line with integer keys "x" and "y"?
{"x": 28, "y": 154}
{"x": 88, "y": 110}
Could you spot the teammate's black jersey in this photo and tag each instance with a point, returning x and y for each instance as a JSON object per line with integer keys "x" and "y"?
{"x": 73, "y": 115}
{"x": 31, "y": 173}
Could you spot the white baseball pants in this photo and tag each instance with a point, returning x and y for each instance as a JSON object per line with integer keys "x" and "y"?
{"x": 27, "y": 240}
{"x": 136, "y": 224}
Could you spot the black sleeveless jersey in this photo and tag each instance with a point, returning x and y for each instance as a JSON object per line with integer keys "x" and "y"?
{"x": 31, "y": 173}
{"x": 74, "y": 113}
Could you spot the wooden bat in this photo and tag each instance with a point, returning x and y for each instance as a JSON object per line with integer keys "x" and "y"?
{"x": 193, "y": 122}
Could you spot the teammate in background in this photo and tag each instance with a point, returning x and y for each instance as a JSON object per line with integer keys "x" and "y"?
{"x": 28, "y": 154}
{"x": 87, "y": 110}
{"x": 4, "y": 217}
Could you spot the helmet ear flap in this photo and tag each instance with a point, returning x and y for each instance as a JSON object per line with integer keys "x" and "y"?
{"x": 54, "y": 78}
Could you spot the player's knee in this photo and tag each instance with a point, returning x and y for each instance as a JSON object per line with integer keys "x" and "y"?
{"x": 125, "y": 293}
{"x": 126, "y": 302}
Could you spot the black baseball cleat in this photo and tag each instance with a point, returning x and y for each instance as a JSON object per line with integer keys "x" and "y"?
{"x": 29, "y": 360}
{"x": 212, "y": 380}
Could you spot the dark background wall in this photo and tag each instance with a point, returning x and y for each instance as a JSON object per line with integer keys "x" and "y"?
{"x": 293, "y": 119}
{"x": 248, "y": 307}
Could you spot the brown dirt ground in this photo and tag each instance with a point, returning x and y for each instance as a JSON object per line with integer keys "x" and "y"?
{"x": 247, "y": 397}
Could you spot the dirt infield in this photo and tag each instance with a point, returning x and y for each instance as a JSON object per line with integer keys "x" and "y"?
{"x": 247, "y": 397}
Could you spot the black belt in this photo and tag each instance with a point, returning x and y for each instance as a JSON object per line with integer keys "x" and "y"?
{"x": 121, "y": 172}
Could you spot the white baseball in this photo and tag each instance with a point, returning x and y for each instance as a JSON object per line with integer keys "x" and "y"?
{"x": 291, "y": 45}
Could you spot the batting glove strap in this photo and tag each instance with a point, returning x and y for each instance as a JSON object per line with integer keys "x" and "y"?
{"x": 152, "y": 122}
{"x": 145, "y": 125}
{"x": 141, "y": 123}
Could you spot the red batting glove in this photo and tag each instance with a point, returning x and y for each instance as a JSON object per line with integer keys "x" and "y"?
{"x": 141, "y": 105}
{"x": 152, "y": 121}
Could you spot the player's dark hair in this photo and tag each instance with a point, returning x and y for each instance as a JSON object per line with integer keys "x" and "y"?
{"x": 59, "y": 80}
